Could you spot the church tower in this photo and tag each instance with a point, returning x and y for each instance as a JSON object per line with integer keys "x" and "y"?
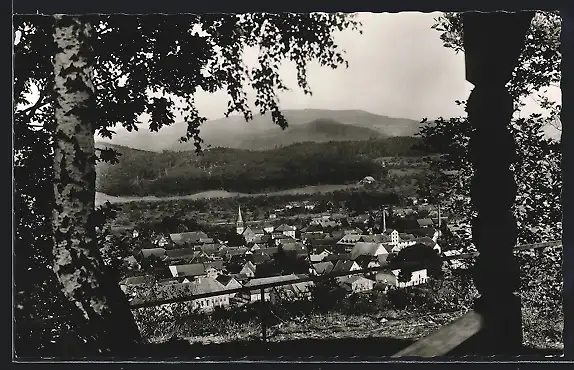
{"x": 239, "y": 225}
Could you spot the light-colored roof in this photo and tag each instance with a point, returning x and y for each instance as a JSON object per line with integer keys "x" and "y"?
{"x": 284, "y": 227}
{"x": 366, "y": 249}
{"x": 268, "y": 280}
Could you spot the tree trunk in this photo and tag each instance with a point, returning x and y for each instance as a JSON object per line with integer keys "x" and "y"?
{"x": 104, "y": 321}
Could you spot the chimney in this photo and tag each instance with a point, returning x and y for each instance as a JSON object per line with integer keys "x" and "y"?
{"x": 384, "y": 220}
{"x": 439, "y": 221}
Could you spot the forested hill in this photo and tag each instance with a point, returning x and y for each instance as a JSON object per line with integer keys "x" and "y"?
{"x": 260, "y": 133}
{"x": 143, "y": 173}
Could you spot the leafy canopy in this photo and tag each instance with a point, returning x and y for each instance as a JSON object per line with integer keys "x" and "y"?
{"x": 175, "y": 56}
{"x": 148, "y": 69}
{"x": 537, "y": 171}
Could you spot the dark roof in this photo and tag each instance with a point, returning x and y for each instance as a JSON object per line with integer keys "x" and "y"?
{"x": 236, "y": 251}
{"x": 258, "y": 258}
{"x": 250, "y": 266}
{"x": 426, "y": 241}
{"x": 269, "y": 251}
{"x": 317, "y": 243}
{"x": 337, "y": 257}
{"x": 224, "y": 279}
{"x": 382, "y": 258}
{"x": 312, "y": 228}
{"x": 215, "y": 264}
{"x": 425, "y": 222}
{"x": 343, "y": 266}
{"x": 294, "y": 246}
{"x": 188, "y": 237}
{"x": 210, "y": 248}
{"x": 158, "y": 252}
{"x": 193, "y": 269}
{"x": 323, "y": 267}
{"x": 284, "y": 227}
{"x": 424, "y": 231}
{"x": 138, "y": 280}
{"x": 181, "y": 252}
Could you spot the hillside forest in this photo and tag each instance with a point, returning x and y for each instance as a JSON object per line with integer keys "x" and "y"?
{"x": 140, "y": 173}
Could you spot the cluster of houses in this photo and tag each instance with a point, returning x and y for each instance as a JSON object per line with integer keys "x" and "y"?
{"x": 198, "y": 264}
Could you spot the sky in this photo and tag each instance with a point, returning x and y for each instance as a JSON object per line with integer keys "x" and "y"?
{"x": 398, "y": 67}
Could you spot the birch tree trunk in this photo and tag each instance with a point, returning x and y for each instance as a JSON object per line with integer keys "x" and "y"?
{"x": 104, "y": 320}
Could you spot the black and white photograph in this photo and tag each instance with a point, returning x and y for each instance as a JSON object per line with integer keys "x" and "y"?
{"x": 288, "y": 186}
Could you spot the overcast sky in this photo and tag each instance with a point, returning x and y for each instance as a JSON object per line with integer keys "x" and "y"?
{"x": 397, "y": 67}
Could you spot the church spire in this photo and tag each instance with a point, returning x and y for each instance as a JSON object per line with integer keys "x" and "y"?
{"x": 239, "y": 224}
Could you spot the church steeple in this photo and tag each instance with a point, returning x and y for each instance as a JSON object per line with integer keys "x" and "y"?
{"x": 239, "y": 225}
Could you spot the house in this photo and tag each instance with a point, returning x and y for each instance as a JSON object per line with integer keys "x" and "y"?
{"x": 250, "y": 234}
{"x": 258, "y": 258}
{"x": 314, "y": 228}
{"x": 300, "y": 290}
{"x": 268, "y": 226}
{"x": 360, "y": 219}
{"x": 294, "y": 247}
{"x": 229, "y": 283}
{"x": 368, "y": 180}
{"x": 279, "y": 236}
{"x": 327, "y": 224}
{"x": 190, "y": 270}
{"x": 286, "y": 230}
{"x": 307, "y": 237}
{"x": 352, "y": 231}
{"x": 152, "y": 252}
{"x": 356, "y": 284}
{"x": 254, "y": 294}
{"x": 313, "y": 258}
{"x": 367, "y": 249}
{"x": 138, "y": 280}
{"x": 393, "y": 235}
{"x": 386, "y": 277}
{"x": 349, "y": 240}
{"x": 425, "y": 222}
{"x": 335, "y": 257}
{"x": 161, "y": 241}
{"x": 261, "y": 238}
{"x": 210, "y": 249}
{"x": 217, "y": 265}
{"x": 132, "y": 263}
{"x": 229, "y": 252}
{"x": 321, "y": 268}
{"x": 430, "y": 243}
{"x": 343, "y": 266}
{"x": 181, "y": 253}
{"x": 270, "y": 251}
{"x": 203, "y": 285}
{"x": 248, "y": 269}
{"x": 192, "y": 237}
{"x": 418, "y": 277}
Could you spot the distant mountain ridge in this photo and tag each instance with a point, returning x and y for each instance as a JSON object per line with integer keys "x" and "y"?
{"x": 306, "y": 125}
